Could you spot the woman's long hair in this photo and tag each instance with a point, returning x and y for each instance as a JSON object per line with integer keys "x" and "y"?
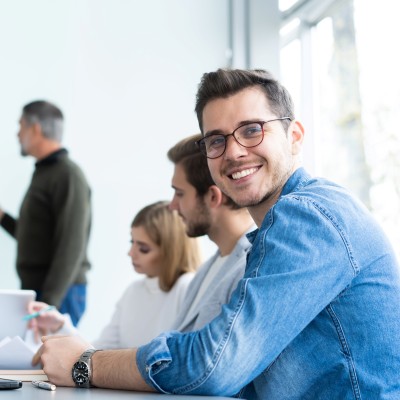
{"x": 179, "y": 253}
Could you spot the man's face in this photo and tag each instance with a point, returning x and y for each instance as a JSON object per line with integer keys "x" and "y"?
{"x": 249, "y": 176}
{"x": 25, "y": 136}
{"x": 189, "y": 205}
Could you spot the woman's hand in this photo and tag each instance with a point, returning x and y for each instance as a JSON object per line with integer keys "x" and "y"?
{"x": 47, "y": 322}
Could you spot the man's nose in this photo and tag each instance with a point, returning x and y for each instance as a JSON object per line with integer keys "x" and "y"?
{"x": 173, "y": 205}
{"x": 233, "y": 149}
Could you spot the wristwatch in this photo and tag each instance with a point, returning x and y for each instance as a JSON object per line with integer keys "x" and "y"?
{"x": 82, "y": 369}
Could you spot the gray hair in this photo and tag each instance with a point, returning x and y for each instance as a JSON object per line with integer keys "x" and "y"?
{"x": 48, "y": 116}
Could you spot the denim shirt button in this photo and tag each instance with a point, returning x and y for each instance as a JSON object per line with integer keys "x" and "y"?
{"x": 158, "y": 363}
{"x": 147, "y": 368}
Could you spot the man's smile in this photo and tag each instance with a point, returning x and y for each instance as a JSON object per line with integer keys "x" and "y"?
{"x": 244, "y": 173}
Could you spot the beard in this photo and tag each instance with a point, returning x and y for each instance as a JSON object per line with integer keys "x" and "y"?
{"x": 23, "y": 152}
{"x": 270, "y": 191}
{"x": 199, "y": 226}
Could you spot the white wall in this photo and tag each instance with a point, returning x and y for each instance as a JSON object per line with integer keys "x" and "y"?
{"x": 125, "y": 73}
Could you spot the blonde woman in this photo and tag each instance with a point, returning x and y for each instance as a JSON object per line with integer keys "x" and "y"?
{"x": 167, "y": 258}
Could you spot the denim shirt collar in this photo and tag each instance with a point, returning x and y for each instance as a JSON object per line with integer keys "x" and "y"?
{"x": 295, "y": 182}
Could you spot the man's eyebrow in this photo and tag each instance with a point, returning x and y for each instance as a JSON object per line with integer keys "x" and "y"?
{"x": 241, "y": 123}
{"x": 214, "y": 132}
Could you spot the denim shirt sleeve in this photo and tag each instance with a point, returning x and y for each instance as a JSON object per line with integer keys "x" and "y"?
{"x": 300, "y": 261}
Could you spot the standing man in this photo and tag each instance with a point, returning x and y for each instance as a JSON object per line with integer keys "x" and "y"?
{"x": 53, "y": 227}
{"x": 207, "y": 211}
{"x": 317, "y": 313}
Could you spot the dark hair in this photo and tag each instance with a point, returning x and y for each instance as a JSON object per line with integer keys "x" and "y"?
{"x": 194, "y": 163}
{"x": 47, "y": 115}
{"x": 226, "y": 82}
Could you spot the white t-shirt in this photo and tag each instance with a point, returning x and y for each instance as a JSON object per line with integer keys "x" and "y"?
{"x": 211, "y": 274}
{"x": 142, "y": 313}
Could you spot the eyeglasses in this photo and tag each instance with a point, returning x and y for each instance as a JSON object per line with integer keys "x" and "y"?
{"x": 247, "y": 135}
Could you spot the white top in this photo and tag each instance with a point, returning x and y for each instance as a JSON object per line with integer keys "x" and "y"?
{"x": 142, "y": 313}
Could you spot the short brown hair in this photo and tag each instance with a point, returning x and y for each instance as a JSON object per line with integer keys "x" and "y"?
{"x": 226, "y": 82}
{"x": 188, "y": 155}
{"x": 179, "y": 253}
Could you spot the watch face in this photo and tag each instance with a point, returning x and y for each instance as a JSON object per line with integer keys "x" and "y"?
{"x": 80, "y": 373}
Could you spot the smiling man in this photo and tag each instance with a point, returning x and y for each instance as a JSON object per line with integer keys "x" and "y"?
{"x": 254, "y": 181}
{"x": 317, "y": 313}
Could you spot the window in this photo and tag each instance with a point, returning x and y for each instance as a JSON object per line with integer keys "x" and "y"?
{"x": 346, "y": 81}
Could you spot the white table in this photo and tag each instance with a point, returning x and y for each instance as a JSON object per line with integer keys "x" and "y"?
{"x": 28, "y": 392}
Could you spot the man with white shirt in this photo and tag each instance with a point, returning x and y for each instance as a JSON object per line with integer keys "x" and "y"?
{"x": 207, "y": 211}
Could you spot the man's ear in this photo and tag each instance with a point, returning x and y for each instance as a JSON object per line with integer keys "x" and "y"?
{"x": 214, "y": 196}
{"x": 296, "y": 132}
{"x": 37, "y": 129}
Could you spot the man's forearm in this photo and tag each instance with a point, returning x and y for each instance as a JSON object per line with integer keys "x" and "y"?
{"x": 113, "y": 369}
{"x": 117, "y": 369}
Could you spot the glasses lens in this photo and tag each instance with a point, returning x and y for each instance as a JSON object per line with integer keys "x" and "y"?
{"x": 249, "y": 135}
{"x": 214, "y": 145}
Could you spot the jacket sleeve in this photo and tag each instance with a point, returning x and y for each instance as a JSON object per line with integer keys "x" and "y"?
{"x": 9, "y": 224}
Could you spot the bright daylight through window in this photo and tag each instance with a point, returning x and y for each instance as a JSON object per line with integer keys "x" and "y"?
{"x": 346, "y": 74}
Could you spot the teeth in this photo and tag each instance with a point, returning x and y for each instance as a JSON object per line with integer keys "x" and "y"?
{"x": 245, "y": 172}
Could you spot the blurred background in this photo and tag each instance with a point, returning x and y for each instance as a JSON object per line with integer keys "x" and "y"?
{"x": 125, "y": 74}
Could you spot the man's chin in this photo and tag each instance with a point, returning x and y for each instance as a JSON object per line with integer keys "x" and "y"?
{"x": 197, "y": 231}
{"x": 249, "y": 201}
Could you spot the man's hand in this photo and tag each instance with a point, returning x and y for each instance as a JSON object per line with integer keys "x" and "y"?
{"x": 58, "y": 354}
{"x": 112, "y": 369}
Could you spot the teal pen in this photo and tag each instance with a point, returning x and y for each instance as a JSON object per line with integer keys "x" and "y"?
{"x": 37, "y": 313}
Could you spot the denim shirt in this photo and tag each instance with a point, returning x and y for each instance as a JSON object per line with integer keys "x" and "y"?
{"x": 316, "y": 315}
